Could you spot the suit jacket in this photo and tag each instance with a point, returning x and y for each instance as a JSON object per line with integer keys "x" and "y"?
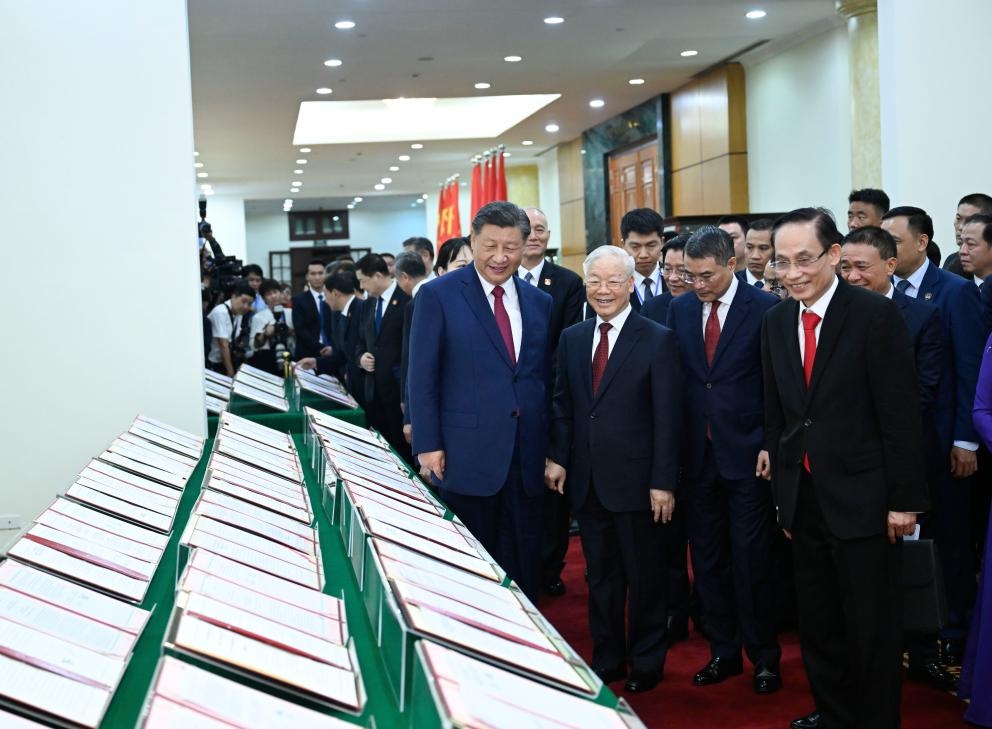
{"x": 859, "y": 420}
{"x": 382, "y": 385}
{"x": 405, "y": 357}
{"x": 963, "y": 326}
{"x": 306, "y": 324}
{"x": 567, "y": 296}
{"x": 727, "y": 396}
{"x": 622, "y": 441}
{"x": 469, "y": 401}
{"x": 656, "y": 309}
{"x": 342, "y": 363}
{"x": 923, "y": 321}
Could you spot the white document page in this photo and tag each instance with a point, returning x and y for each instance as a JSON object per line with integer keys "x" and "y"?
{"x": 110, "y": 524}
{"x": 153, "y": 519}
{"x": 140, "y": 430}
{"x": 181, "y": 436}
{"x": 225, "y": 464}
{"x": 257, "y": 512}
{"x": 12, "y": 721}
{"x": 91, "y": 552}
{"x": 104, "y": 472}
{"x": 394, "y": 497}
{"x": 297, "y": 511}
{"x": 460, "y": 559}
{"x": 54, "y": 694}
{"x": 255, "y": 543}
{"x": 150, "y": 455}
{"x": 175, "y": 480}
{"x": 241, "y": 520}
{"x": 427, "y": 560}
{"x": 263, "y": 562}
{"x": 132, "y": 495}
{"x": 72, "y": 527}
{"x": 164, "y": 714}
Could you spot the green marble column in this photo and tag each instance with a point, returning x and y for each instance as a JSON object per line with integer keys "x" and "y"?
{"x": 866, "y": 141}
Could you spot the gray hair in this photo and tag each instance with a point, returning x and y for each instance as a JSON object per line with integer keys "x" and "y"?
{"x": 410, "y": 263}
{"x": 609, "y": 251}
{"x": 710, "y": 242}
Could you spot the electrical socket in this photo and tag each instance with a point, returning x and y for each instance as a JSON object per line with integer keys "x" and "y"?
{"x": 11, "y": 521}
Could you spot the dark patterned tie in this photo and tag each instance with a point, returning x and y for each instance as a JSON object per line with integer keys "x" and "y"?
{"x": 503, "y": 322}
{"x": 601, "y": 356}
{"x": 712, "y": 337}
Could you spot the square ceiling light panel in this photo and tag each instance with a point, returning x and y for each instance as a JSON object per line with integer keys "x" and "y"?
{"x": 403, "y": 120}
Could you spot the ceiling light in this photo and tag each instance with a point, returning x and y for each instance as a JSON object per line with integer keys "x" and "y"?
{"x": 636, "y": 81}
{"x": 332, "y": 62}
{"x": 420, "y": 200}
{"x": 297, "y": 172}
{"x": 288, "y": 201}
{"x": 301, "y": 161}
{"x": 404, "y": 158}
{"x": 689, "y": 54}
{"x": 206, "y": 186}
{"x": 202, "y": 174}
{"x": 394, "y": 168}
{"x": 513, "y": 59}
{"x": 297, "y": 184}
{"x": 552, "y": 128}
{"x": 324, "y": 91}
{"x": 379, "y": 186}
{"x": 359, "y": 199}
{"x": 304, "y": 150}
{"x": 755, "y": 14}
{"x": 597, "y": 103}
{"x": 506, "y": 154}
{"x": 416, "y": 145}
{"x": 345, "y": 24}
{"x": 424, "y": 196}
{"x": 197, "y": 165}
{"x": 386, "y": 180}
{"x": 196, "y": 154}
{"x": 483, "y": 85}
{"x": 527, "y": 142}
{"x": 554, "y": 20}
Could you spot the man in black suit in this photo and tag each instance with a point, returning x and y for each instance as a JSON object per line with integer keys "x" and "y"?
{"x": 379, "y": 351}
{"x": 312, "y": 316}
{"x": 672, "y": 268}
{"x": 736, "y": 226}
{"x": 340, "y": 291}
{"x": 729, "y": 507}
{"x": 758, "y": 251}
{"x": 642, "y": 234}
{"x": 614, "y": 434}
{"x": 410, "y": 273}
{"x": 567, "y": 296}
{"x": 843, "y": 429}
{"x": 976, "y": 203}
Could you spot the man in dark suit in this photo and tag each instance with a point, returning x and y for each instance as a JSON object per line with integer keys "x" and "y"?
{"x": 963, "y": 327}
{"x": 312, "y": 316}
{"x": 614, "y": 443}
{"x": 379, "y": 351}
{"x": 758, "y": 251}
{"x": 642, "y": 233}
{"x": 843, "y": 430}
{"x": 672, "y": 268}
{"x": 339, "y": 289}
{"x": 976, "y": 203}
{"x": 729, "y": 508}
{"x": 567, "y": 296}
{"x": 736, "y": 226}
{"x": 479, "y": 410}
{"x": 410, "y": 273}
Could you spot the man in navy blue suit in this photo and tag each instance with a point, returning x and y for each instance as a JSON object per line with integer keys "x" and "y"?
{"x": 729, "y": 507}
{"x": 479, "y": 410}
{"x": 962, "y": 323}
{"x": 614, "y": 443}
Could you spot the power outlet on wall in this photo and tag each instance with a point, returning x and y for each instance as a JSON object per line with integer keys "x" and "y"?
{"x": 11, "y": 521}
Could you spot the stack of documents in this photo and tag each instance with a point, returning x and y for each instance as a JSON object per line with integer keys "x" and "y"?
{"x": 218, "y": 390}
{"x": 259, "y": 386}
{"x": 325, "y": 386}
{"x": 63, "y": 647}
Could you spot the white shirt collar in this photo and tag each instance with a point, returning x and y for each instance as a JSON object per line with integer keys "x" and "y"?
{"x": 387, "y": 295}
{"x": 619, "y": 320}
{"x": 752, "y": 279}
{"x": 888, "y": 294}
{"x": 639, "y": 281}
{"x": 916, "y": 277}
{"x": 347, "y": 306}
{"x": 416, "y": 286}
{"x": 728, "y": 296}
{"x": 535, "y": 272}
{"x": 509, "y": 290}
{"x": 979, "y": 280}
{"x": 317, "y": 294}
{"x": 820, "y": 306}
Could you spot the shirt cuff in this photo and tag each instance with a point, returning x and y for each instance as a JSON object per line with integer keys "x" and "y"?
{"x": 966, "y": 444}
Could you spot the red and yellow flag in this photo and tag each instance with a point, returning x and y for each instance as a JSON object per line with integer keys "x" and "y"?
{"x": 449, "y": 224}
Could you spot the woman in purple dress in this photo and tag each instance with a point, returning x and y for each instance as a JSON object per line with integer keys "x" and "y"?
{"x": 976, "y": 673}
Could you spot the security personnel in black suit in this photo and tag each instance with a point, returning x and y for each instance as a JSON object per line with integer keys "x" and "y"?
{"x": 379, "y": 351}
{"x": 341, "y": 289}
{"x": 642, "y": 234}
{"x": 312, "y": 317}
{"x": 567, "y": 297}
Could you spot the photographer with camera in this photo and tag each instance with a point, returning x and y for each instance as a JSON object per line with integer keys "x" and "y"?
{"x": 271, "y": 329}
{"x": 230, "y": 330}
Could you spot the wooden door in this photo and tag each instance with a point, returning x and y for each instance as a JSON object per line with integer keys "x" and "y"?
{"x": 633, "y": 183}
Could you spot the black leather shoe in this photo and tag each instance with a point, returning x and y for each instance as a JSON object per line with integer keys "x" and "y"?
{"x": 951, "y": 652}
{"x": 767, "y": 679}
{"x": 935, "y": 675}
{"x": 609, "y": 675}
{"x": 717, "y": 670}
{"x": 555, "y": 588}
{"x": 810, "y": 721}
{"x": 640, "y": 682}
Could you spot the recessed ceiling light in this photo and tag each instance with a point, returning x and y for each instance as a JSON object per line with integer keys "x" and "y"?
{"x": 202, "y": 174}
{"x": 416, "y": 145}
{"x": 554, "y": 20}
{"x": 597, "y": 103}
{"x": 205, "y": 186}
{"x": 552, "y": 128}
{"x": 297, "y": 172}
{"x": 483, "y": 85}
{"x": 297, "y": 183}
{"x": 420, "y": 201}
{"x": 288, "y": 201}
{"x": 636, "y": 81}
{"x": 506, "y": 154}
{"x": 345, "y": 24}
{"x": 359, "y": 198}
{"x": 527, "y": 142}
{"x": 394, "y": 168}
{"x": 386, "y": 180}
{"x": 197, "y": 165}
{"x": 755, "y": 14}
{"x": 196, "y": 154}
{"x": 324, "y": 91}
{"x": 513, "y": 59}
{"x": 332, "y": 62}
{"x": 424, "y": 196}
{"x": 351, "y": 206}
{"x": 379, "y": 186}
{"x": 304, "y": 150}
{"x": 301, "y": 161}
{"x": 689, "y": 54}
{"x": 404, "y": 158}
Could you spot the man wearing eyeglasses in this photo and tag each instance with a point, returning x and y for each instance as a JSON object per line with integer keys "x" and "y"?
{"x": 842, "y": 424}
{"x": 729, "y": 504}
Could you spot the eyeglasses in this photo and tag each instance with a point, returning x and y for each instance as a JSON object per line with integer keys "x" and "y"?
{"x": 782, "y": 264}
{"x": 613, "y": 285}
{"x": 703, "y": 278}
{"x": 669, "y": 271}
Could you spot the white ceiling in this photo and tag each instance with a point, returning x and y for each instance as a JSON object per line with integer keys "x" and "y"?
{"x": 255, "y": 61}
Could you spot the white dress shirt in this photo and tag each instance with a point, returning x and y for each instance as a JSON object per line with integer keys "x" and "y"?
{"x": 512, "y": 305}
{"x": 655, "y": 283}
{"x": 725, "y": 301}
{"x": 820, "y": 309}
{"x": 534, "y": 272}
{"x": 616, "y": 324}
{"x": 752, "y": 279}
{"x": 915, "y": 279}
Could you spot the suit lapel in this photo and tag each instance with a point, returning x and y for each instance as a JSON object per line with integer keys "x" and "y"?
{"x": 788, "y": 339}
{"x": 929, "y": 284}
{"x": 739, "y": 309}
{"x": 479, "y": 306}
{"x": 830, "y": 331}
{"x": 546, "y": 281}
{"x": 585, "y": 354}
{"x": 629, "y": 335}
{"x": 694, "y": 324}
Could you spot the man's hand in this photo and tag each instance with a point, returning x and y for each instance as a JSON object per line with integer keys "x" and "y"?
{"x": 554, "y": 476}
{"x": 963, "y": 462}
{"x": 307, "y": 363}
{"x": 326, "y": 351}
{"x": 408, "y": 433}
{"x": 269, "y": 330}
{"x": 367, "y": 362}
{"x": 763, "y": 468}
{"x": 901, "y": 524}
{"x": 662, "y": 505}
{"x": 432, "y": 462}
{"x": 787, "y": 533}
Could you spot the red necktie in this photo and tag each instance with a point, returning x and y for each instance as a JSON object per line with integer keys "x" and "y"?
{"x": 810, "y": 320}
{"x": 601, "y": 356}
{"x": 712, "y": 337}
{"x": 503, "y": 322}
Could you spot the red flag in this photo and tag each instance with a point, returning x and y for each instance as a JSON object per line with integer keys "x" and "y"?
{"x": 448, "y": 220}
{"x": 484, "y": 196}
{"x": 476, "y": 188}
{"x": 493, "y": 190}
{"x": 500, "y": 176}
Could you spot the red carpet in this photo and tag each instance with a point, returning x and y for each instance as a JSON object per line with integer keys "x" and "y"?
{"x": 677, "y": 704}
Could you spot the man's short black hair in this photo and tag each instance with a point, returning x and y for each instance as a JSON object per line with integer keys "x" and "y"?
{"x": 824, "y": 225}
{"x": 674, "y": 244}
{"x": 419, "y": 243}
{"x": 878, "y": 238}
{"x": 384, "y": 255}
{"x": 343, "y": 281}
{"x": 738, "y": 219}
{"x": 502, "y": 215}
{"x": 242, "y": 288}
{"x": 985, "y": 220}
{"x": 978, "y": 200}
{"x": 269, "y": 284}
{"x": 370, "y": 264}
{"x": 252, "y": 268}
{"x": 316, "y": 262}
{"x": 710, "y": 242}
{"x": 643, "y": 221}
{"x": 871, "y": 196}
{"x": 762, "y": 224}
{"x": 411, "y": 263}
{"x": 916, "y": 219}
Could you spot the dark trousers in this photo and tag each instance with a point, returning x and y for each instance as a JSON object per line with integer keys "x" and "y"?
{"x": 730, "y": 523}
{"x": 680, "y": 594}
{"x": 508, "y": 524}
{"x": 555, "y": 541}
{"x": 850, "y": 619}
{"x": 625, "y": 559}
{"x": 387, "y": 418}
{"x": 950, "y": 526}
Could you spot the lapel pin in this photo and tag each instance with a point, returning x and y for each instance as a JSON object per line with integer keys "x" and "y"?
{"x": 394, "y": 302}
{"x": 547, "y": 282}
{"x": 928, "y": 295}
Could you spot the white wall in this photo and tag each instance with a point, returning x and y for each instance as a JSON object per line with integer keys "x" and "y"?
{"x": 97, "y": 219}
{"x": 226, "y": 216}
{"x": 935, "y": 105}
{"x": 798, "y": 126}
